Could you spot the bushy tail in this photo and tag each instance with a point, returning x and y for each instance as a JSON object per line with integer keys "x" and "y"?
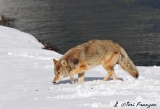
{"x": 127, "y": 64}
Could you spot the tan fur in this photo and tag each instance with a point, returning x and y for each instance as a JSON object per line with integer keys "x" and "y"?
{"x": 91, "y": 54}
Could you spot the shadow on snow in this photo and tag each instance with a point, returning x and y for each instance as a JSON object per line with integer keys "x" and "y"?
{"x": 85, "y": 79}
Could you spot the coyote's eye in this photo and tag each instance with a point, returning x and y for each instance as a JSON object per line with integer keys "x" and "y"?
{"x": 58, "y": 72}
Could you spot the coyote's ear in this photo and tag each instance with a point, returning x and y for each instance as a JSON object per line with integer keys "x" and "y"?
{"x": 63, "y": 62}
{"x": 55, "y": 61}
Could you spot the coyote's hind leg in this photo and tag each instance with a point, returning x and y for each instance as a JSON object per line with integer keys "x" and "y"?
{"x": 109, "y": 64}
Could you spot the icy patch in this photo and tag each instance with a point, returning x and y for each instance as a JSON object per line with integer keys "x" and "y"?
{"x": 96, "y": 105}
{"x": 139, "y": 99}
{"x": 27, "y": 55}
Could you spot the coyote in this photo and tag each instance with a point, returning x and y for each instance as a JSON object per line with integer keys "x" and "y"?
{"x": 91, "y": 54}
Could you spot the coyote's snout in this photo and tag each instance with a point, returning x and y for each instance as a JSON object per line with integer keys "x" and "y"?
{"x": 91, "y": 54}
{"x": 60, "y": 70}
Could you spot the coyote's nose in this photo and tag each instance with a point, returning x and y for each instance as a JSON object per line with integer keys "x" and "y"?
{"x": 54, "y": 81}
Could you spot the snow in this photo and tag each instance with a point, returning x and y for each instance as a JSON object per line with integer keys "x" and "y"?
{"x": 26, "y": 73}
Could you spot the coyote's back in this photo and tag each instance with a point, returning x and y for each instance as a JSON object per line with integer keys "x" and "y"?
{"x": 93, "y": 51}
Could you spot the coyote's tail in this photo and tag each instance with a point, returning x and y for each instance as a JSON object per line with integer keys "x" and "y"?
{"x": 127, "y": 64}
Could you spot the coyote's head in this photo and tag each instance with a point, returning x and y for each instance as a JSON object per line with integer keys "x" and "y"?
{"x": 60, "y": 69}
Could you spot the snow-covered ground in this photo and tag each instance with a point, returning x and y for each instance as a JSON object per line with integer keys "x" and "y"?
{"x": 26, "y": 74}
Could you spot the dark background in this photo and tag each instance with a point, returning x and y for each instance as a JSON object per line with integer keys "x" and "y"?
{"x": 134, "y": 24}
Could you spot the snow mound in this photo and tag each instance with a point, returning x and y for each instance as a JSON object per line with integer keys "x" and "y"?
{"x": 12, "y": 38}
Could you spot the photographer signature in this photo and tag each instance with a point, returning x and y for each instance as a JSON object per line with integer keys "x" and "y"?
{"x": 129, "y": 104}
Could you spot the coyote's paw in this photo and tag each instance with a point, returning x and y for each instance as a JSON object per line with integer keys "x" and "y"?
{"x": 72, "y": 81}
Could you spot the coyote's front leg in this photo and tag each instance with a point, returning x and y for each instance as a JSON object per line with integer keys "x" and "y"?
{"x": 81, "y": 77}
{"x": 71, "y": 78}
{"x": 81, "y": 68}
